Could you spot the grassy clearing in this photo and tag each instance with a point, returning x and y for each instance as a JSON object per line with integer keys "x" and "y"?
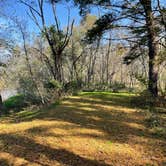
{"x": 91, "y": 129}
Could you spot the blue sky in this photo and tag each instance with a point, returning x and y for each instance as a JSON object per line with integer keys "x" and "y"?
{"x": 17, "y": 9}
{"x": 62, "y": 12}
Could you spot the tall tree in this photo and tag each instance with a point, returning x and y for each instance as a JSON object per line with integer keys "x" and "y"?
{"x": 152, "y": 46}
{"x": 56, "y": 37}
{"x": 144, "y": 23}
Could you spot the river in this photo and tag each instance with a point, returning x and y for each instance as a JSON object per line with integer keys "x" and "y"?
{"x": 7, "y": 93}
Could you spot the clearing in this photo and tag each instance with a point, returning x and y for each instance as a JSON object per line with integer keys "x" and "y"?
{"x": 91, "y": 129}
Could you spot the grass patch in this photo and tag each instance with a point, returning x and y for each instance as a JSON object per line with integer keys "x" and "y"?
{"x": 18, "y": 103}
{"x": 132, "y": 100}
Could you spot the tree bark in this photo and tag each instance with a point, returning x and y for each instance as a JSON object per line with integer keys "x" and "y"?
{"x": 1, "y": 103}
{"x": 107, "y": 59}
{"x": 152, "y": 46}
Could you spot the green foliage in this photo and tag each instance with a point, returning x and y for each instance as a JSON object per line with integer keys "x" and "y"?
{"x": 54, "y": 91}
{"x": 101, "y": 25}
{"x": 53, "y": 84}
{"x": 134, "y": 53}
{"x": 104, "y": 87}
{"x": 28, "y": 89}
{"x": 15, "y": 103}
{"x": 145, "y": 100}
{"x": 142, "y": 79}
{"x": 161, "y": 56}
{"x": 56, "y": 37}
{"x": 155, "y": 123}
{"x": 116, "y": 86}
{"x": 73, "y": 86}
{"x": 84, "y": 4}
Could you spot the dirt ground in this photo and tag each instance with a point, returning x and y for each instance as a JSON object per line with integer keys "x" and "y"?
{"x": 91, "y": 129}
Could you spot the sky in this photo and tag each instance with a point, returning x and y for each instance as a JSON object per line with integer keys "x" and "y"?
{"x": 16, "y": 9}
{"x": 11, "y": 8}
{"x": 19, "y": 10}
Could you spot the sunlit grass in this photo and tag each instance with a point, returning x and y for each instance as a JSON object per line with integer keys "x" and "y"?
{"x": 91, "y": 129}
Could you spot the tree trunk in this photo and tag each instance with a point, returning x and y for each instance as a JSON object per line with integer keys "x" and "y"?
{"x": 1, "y": 103}
{"x": 107, "y": 59}
{"x": 153, "y": 68}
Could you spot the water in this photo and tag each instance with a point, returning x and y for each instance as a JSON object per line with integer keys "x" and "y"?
{"x": 7, "y": 93}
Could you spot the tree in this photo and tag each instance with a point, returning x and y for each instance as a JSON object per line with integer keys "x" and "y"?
{"x": 77, "y": 51}
{"x": 56, "y": 37}
{"x": 144, "y": 24}
{"x": 1, "y": 64}
{"x": 3, "y": 45}
{"x": 152, "y": 46}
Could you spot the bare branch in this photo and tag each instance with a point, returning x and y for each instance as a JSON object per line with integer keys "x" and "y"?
{"x": 30, "y": 6}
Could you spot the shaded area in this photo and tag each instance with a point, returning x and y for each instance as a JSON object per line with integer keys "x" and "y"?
{"x": 83, "y": 117}
{"x": 31, "y": 151}
{"x": 130, "y": 100}
{"x": 4, "y": 162}
{"x": 90, "y": 111}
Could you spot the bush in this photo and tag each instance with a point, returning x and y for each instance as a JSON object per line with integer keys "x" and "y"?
{"x": 88, "y": 90}
{"x": 116, "y": 86}
{"x": 53, "y": 90}
{"x": 72, "y": 87}
{"x": 28, "y": 89}
{"x": 53, "y": 84}
{"x": 153, "y": 121}
{"x": 156, "y": 123}
{"x": 144, "y": 100}
{"x": 15, "y": 103}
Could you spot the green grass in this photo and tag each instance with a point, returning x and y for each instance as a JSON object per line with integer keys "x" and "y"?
{"x": 121, "y": 98}
{"x": 108, "y": 93}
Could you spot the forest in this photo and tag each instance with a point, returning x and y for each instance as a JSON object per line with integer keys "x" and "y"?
{"x": 82, "y": 83}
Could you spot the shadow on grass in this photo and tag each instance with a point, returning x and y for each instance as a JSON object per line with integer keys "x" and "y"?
{"x": 85, "y": 112}
{"x": 117, "y": 99}
{"x": 4, "y": 162}
{"x": 89, "y": 112}
{"x": 31, "y": 151}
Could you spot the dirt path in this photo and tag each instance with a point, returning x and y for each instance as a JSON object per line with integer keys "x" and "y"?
{"x": 87, "y": 130}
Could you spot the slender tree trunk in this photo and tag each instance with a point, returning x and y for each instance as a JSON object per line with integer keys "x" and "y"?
{"x": 1, "y": 103}
{"x": 153, "y": 68}
{"x": 107, "y": 60}
{"x": 103, "y": 68}
{"x": 29, "y": 65}
{"x": 89, "y": 68}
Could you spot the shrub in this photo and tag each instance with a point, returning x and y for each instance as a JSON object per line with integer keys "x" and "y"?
{"x": 15, "y": 103}
{"x": 72, "y": 86}
{"x": 53, "y": 84}
{"x": 116, "y": 86}
{"x": 28, "y": 89}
